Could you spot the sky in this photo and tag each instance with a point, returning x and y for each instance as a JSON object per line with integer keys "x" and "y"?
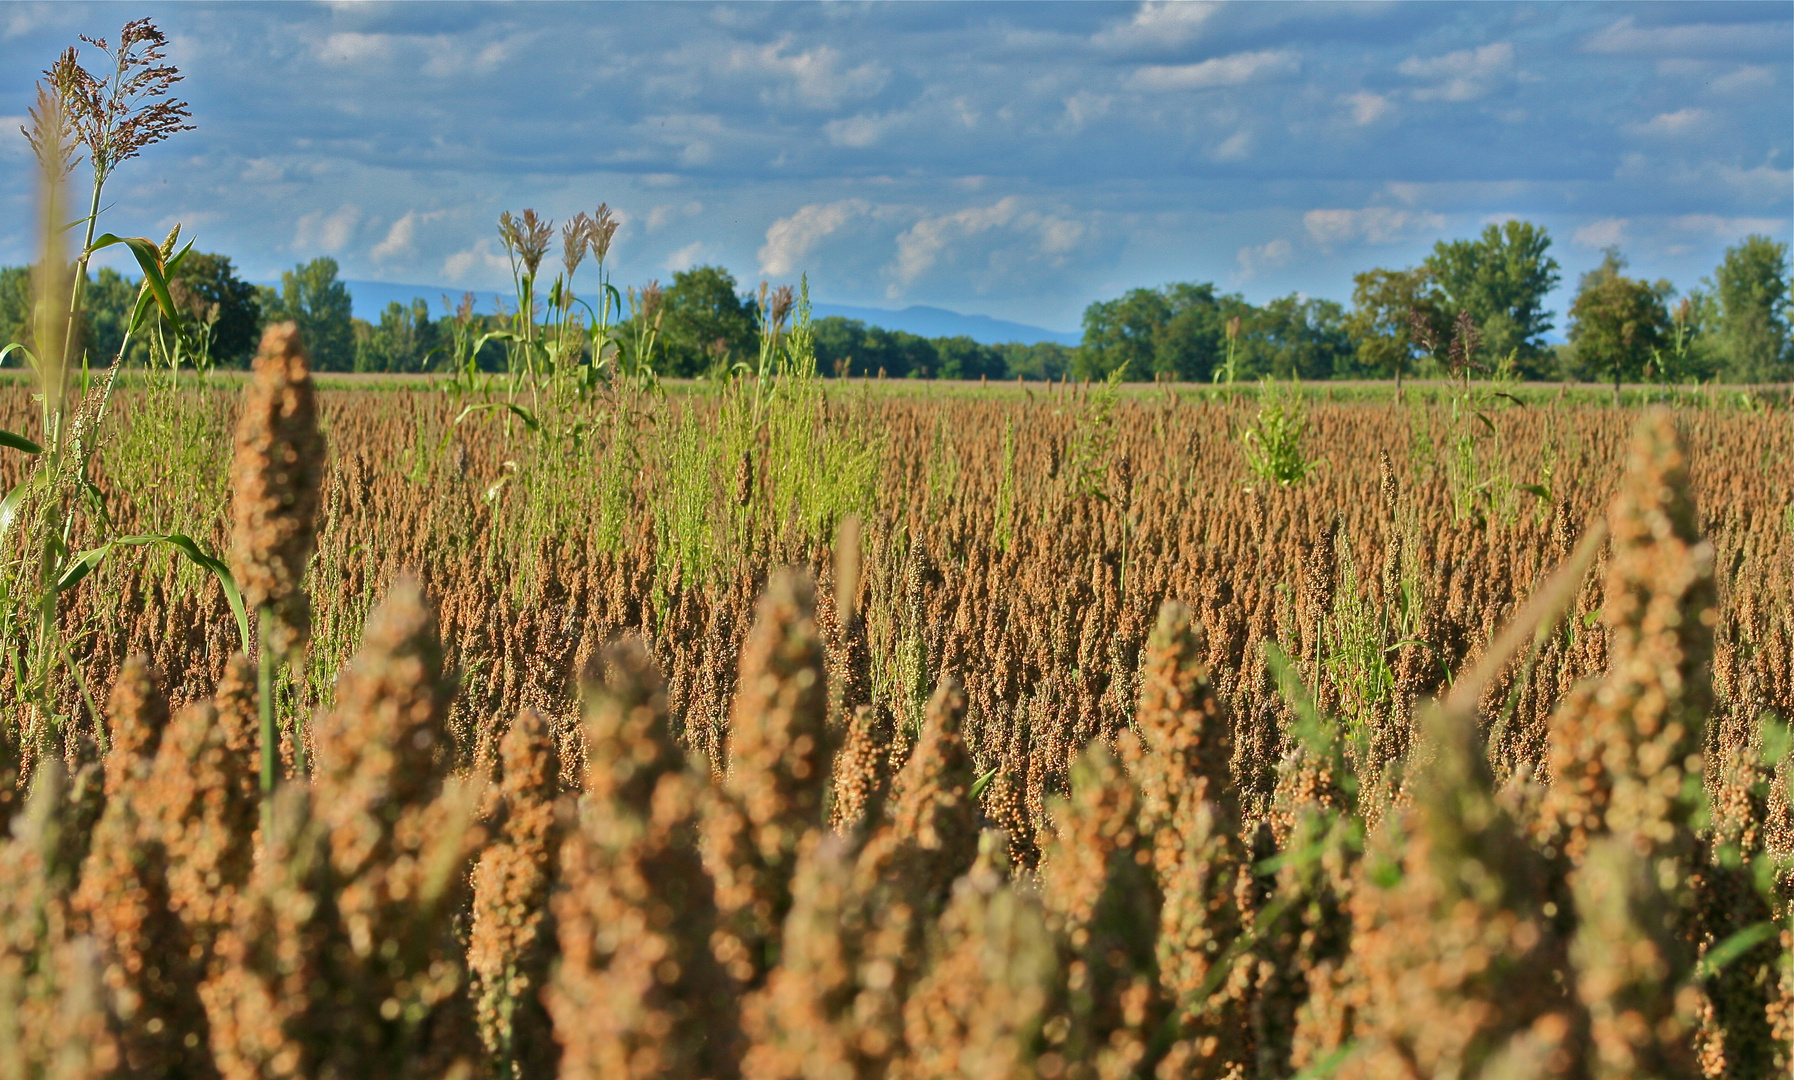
{"x": 1014, "y": 160}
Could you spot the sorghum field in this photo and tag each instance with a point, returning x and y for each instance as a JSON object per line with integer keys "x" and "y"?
{"x": 812, "y": 729}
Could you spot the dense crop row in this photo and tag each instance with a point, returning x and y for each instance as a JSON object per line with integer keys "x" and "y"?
{"x": 1067, "y": 745}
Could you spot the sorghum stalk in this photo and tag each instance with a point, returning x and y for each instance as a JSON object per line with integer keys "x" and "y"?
{"x": 275, "y": 477}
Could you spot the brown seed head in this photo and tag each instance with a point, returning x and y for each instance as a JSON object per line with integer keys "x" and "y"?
{"x": 276, "y": 475}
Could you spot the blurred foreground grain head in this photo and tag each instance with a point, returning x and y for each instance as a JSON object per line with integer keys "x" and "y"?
{"x": 277, "y": 472}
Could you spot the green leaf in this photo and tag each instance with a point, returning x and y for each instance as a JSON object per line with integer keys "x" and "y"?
{"x": 983, "y": 782}
{"x": 9, "y": 507}
{"x": 524, "y": 414}
{"x": 82, "y": 565}
{"x": 155, "y": 274}
{"x": 19, "y": 442}
{"x": 1540, "y": 490}
{"x": 19, "y": 348}
{"x": 87, "y": 561}
{"x": 1733, "y": 947}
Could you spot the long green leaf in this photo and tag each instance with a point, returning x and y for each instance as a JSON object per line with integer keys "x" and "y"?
{"x": 82, "y": 565}
{"x": 1733, "y": 947}
{"x": 9, "y": 507}
{"x": 983, "y": 782}
{"x": 19, "y": 442}
{"x": 149, "y": 260}
{"x": 524, "y": 414}
{"x": 86, "y": 562}
{"x": 197, "y": 555}
{"x": 19, "y": 348}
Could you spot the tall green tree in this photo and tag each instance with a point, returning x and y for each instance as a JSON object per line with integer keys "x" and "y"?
{"x": 402, "y": 341}
{"x": 701, "y": 310}
{"x": 1295, "y": 336}
{"x": 1501, "y": 278}
{"x": 1179, "y": 331}
{"x": 1618, "y": 325}
{"x": 1385, "y": 304}
{"x": 208, "y": 292}
{"x": 311, "y": 296}
{"x": 1751, "y": 291}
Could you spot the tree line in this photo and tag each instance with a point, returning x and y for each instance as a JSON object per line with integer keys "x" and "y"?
{"x": 1477, "y": 303}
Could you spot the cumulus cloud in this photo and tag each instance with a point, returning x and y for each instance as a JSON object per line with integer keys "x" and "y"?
{"x": 1159, "y": 23}
{"x": 477, "y": 264}
{"x": 1463, "y": 75}
{"x": 1254, "y": 261}
{"x": 856, "y": 131}
{"x": 814, "y": 78}
{"x": 1023, "y": 237}
{"x": 1366, "y": 107}
{"x": 789, "y": 239}
{"x": 1626, "y": 36}
{"x": 685, "y": 258}
{"x": 1372, "y": 225}
{"x": 326, "y": 232}
{"x": 1233, "y": 70}
{"x": 1728, "y": 229}
{"x": 1605, "y": 233}
{"x": 1679, "y": 122}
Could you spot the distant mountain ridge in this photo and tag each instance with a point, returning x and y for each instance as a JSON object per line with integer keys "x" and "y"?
{"x": 370, "y": 298}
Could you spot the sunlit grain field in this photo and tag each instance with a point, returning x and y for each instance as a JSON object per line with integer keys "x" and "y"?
{"x": 800, "y": 729}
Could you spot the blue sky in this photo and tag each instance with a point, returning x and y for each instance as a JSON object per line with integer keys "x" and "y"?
{"x": 1010, "y": 159}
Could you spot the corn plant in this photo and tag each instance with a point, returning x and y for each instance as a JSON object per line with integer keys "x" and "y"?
{"x": 1273, "y": 441}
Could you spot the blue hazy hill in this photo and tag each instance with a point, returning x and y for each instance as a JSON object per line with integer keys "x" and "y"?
{"x": 371, "y": 297}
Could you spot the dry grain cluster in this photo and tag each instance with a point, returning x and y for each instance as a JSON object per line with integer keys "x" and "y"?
{"x": 622, "y": 750}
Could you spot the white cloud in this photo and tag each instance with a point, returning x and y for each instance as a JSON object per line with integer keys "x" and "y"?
{"x": 1625, "y": 36}
{"x": 815, "y": 78}
{"x": 400, "y": 239}
{"x": 1157, "y": 24}
{"x": 1220, "y": 71}
{"x": 351, "y": 49}
{"x": 1236, "y": 147}
{"x": 686, "y": 257}
{"x": 1034, "y": 239}
{"x": 857, "y": 132}
{"x": 789, "y": 239}
{"x": 1255, "y": 260}
{"x": 1461, "y": 76}
{"x": 922, "y": 243}
{"x": 1728, "y": 229}
{"x": 1373, "y": 224}
{"x": 1606, "y": 233}
{"x": 329, "y": 232}
{"x": 1746, "y": 79}
{"x": 1367, "y": 108}
{"x": 476, "y": 265}
{"x": 665, "y": 214}
{"x": 1680, "y": 122}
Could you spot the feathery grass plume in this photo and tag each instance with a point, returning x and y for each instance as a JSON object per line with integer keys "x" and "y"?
{"x": 276, "y": 475}
{"x": 1456, "y": 957}
{"x": 978, "y": 1010}
{"x": 512, "y": 937}
{"x": 1103, "y": 906}
{"x": 772, "y": 796}
{"x": 53, "y": 1020}
{"x": 1189, "y": 809}
{"x": 1625, "y": 753}
{"x": 638, "y": 992}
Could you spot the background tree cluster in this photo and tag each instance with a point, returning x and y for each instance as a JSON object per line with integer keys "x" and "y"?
{"x": 1733, "y": 327}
